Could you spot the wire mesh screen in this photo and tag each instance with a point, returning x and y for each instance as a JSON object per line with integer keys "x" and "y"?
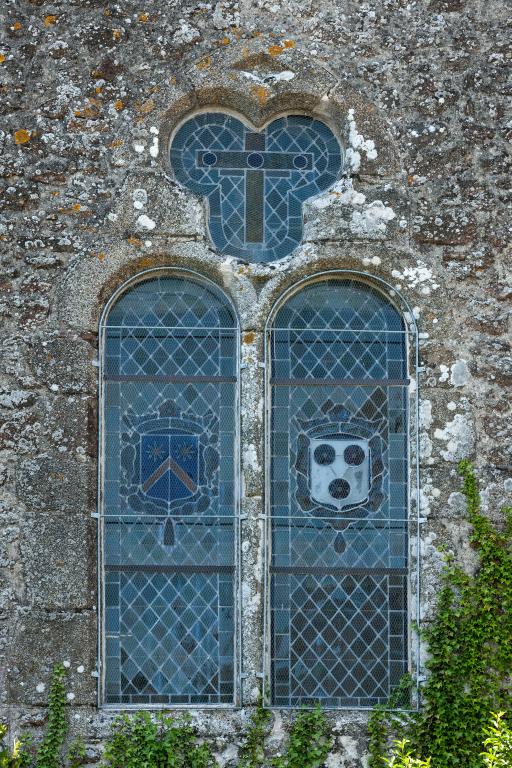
{"x": 338, "y": 497}
{"x": 169, "y": 512}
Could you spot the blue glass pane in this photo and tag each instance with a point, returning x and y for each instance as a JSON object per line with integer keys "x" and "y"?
{"x": 338, "y": 497}
{"x": 169, "y": 536}
{"x": 255, "y": 182}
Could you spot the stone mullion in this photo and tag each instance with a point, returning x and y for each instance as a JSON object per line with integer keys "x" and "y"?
{"x": 252, "y": 509}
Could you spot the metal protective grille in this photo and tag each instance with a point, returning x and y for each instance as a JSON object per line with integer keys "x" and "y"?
{"x": 169, "y": 512}
{"x": 338, "y": 497}
{"x": 255, "y": 182}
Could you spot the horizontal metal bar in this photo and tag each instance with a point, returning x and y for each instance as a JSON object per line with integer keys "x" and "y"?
{"x": 176, "y": 517}
{"x": 121, "y": 707}
{"x": 340, "y": 382}
{"x": 131, "y": 568}
{"x": 175, "y": 379}
{"x": 329, "y": 329}
{"x": 313, "y": 571}
{"x": 174, "y": 328}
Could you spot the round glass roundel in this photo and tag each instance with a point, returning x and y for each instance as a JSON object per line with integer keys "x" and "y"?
{"x": 354, "y": 455}
{"x": 209, "y": 158}
{"x": 339, "y": 488}
{"x": 300, "y": 161}
{"x": 255, "y": 160}
{"x": 324, "y": 454}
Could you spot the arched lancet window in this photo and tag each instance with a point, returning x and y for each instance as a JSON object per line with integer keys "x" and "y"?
{"x": 169, "y": 502}
{"x": 337, "y": 496}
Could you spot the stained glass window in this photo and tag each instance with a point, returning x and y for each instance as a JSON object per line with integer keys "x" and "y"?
{"x": 338, "y": 497}
{"x": 169, "y": 504}
{"x": 255, "y": 182}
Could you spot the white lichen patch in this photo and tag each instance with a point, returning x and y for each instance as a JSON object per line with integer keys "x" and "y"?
{"x": 153, "y": 150}
{"x": 140, "y": 198}
{"x": 459, "y": 437}
{"x": 358, "y": 144}
{"x": 186, "y": 33}
{"x": 371, "y": 219}
{"x": 144, "y": 222}
{"x": 251, "y": 458}
{"x": 445, "y": 373}
{"x": 269, "y": 78}
{"x": 420, "y": 277}
{"x": 367, "y": 219}
{"x": 459, "y": 373}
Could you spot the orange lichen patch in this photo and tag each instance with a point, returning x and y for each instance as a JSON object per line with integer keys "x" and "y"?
{"x": 116, "y": 143}
{"x": 134, "y": 241}
{"x": 101, "y": 256}
{"x": 143, "y": 17}
{"x": 261, "y": 93}
{"x": 277, "y": 50}
{"x": 49, "y": 21}
{"x": 75, "y": 208}
{"x": 225, "y": 41}
{"x": 410, "y": 179}
{"x": 98, "y": 89}
{"x": 118, "y": 105}
{"x": 204, "y": 63}
{"x": 89, "y": 112}
{"x": 249, "y": 338}
{"x": 116, "y": 34}
{"x": 21, "y": 137}
{"x": 16, "y": 26}
{"x": 145, "y": 108}
{"x": 2, "y": 58}
{"x": 146, "y": 262}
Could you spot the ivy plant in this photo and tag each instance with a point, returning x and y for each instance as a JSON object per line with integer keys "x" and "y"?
{"x": 49, "y": 754}
{"x": 470, "y": 647}
{"x": 143, "y": 742}
{"x": 252, "y": 750}
{"x": 309, "y": 742}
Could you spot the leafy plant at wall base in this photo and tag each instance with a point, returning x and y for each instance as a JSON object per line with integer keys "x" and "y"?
{"x": 252, "y": 751}
{"x": 498, "y": 742}
{"x": 49, "y": 754}
{"x": 309, "y": 743}
{"x": 384, "y": 719}
{"x": 143, "y": 742}
{"x": 470, "y": 646}
{"x": 76, "y": 753}
{"x": 401, "y": 757}
{"x": 18, "y": 757}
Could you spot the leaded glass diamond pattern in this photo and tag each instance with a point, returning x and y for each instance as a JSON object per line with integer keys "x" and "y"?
{"x": 338, "y": 576}
{"x": 169, "y": 504}
{"x": 255, "y": 182}
{"x": 333, "y": 639}
{"x": 176, "y": 640}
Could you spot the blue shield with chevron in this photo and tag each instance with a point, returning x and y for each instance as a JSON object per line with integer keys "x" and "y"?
{"x": 169, "y": 466}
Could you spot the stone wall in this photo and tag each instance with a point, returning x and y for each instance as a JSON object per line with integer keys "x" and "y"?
{"x": 90, "y": 94}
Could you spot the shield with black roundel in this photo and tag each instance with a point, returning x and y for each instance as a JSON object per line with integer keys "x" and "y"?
{"x": 169, "y": 466}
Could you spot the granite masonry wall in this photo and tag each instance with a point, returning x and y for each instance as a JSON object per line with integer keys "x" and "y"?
{"x": 90, "y": 92}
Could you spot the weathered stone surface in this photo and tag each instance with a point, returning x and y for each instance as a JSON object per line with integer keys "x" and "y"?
{"x": 44, "y": 638}
{"x": 58, "y": 556}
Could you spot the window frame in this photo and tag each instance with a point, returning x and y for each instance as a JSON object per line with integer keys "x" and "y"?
{"x": 397, "y": 300}
{"x": 126, "y": 286}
